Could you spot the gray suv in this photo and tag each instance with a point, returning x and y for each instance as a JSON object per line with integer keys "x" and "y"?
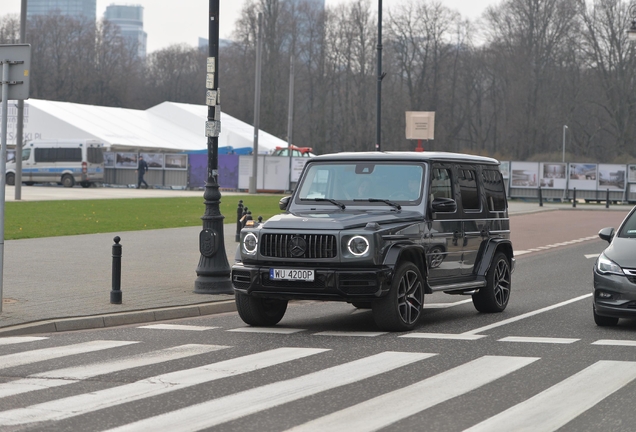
{"x": 380, "y": 230}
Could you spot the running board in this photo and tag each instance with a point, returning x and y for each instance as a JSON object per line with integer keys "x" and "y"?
{"x": 466, "y": 288}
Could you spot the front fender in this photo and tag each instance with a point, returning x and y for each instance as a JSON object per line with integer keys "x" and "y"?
{"x": 409, "y": 251}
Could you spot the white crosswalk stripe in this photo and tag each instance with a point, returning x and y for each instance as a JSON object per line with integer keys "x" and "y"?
{"x": 27, "y": 357}
{"x": 417, "y": 397}
{"x": 85, "y": 403}
{"x": 553, "y": 408}
{"x": 218, "y": 411}
{"x": 66, "y": 376}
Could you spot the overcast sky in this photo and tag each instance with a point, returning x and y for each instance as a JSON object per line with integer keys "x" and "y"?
{"x": 170, "y": 22}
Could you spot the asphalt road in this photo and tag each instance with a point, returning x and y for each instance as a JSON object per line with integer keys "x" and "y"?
{"x": 541, "y": 365}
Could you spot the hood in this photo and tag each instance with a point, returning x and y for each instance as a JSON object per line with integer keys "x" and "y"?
{"x": 339, "y": 220}
{"x": 623, "y": 252}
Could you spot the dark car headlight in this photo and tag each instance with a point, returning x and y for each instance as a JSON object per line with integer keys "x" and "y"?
{"x": 250, "y": 243}
{"x": 358, "y": 246}
{"x": 604, "y": 265}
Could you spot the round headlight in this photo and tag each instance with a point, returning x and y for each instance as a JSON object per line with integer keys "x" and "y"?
{"x": 250, "y": 243}
{"x": 358, "y": 245}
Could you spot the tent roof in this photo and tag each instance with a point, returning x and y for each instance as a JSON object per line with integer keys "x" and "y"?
{"x": 167, "y": 126}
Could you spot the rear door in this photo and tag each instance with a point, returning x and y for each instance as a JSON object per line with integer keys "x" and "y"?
{"x": 444, "y": 246}
{"x": 474, "y": 226}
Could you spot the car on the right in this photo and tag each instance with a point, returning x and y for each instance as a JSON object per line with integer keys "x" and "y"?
{"x": 615, "y": 274}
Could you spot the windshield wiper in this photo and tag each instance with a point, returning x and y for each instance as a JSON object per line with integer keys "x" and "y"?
{"x": 391, "y": 203}
{"x": 332, "y": 201}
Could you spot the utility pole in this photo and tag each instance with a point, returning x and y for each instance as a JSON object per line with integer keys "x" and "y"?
{"x": 257, "y": 105}
{"x": 213, "y": 272}
{"x": 20, "y": 130}
{"x": 290, "y": 117}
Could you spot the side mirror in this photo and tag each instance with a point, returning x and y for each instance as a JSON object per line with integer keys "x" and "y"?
{"x": 607, "y": 234}
{"x": 284, "y": 202}
{"x": 444, "y": 205}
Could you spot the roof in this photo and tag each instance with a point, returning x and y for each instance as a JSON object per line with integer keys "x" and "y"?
{"x": 168, "y": 126}
{"x": 408, "y": 156}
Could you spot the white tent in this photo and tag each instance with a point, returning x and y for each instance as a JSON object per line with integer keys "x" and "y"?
{"x": 234, "y": 133}
{"x": 166, "y": 127}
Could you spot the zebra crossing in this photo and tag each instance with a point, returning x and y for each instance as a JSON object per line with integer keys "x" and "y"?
{"x": 549, "y": 409}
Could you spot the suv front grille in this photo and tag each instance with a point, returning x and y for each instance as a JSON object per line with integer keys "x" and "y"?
{"x": 299, "y": 246}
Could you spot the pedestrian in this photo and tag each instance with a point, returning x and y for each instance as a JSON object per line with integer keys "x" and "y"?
{"x": 141, "y": 170}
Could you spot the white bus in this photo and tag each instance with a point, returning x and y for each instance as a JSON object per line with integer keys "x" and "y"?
{"x": 67, "y": 162}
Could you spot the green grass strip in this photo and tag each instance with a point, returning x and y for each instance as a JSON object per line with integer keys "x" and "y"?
{"x": 37, "y": 219}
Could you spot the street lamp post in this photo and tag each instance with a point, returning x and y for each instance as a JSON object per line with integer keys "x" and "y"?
{"x": 213, "y": 272}
{"x": 378, "y": 126}
{"x": 564, "y": 129}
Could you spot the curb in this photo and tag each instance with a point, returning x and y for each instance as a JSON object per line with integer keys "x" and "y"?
{"x": 119, "y": 319}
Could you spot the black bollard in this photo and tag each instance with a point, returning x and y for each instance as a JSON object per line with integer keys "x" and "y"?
{"x": 239, "y": 215}
{"x": 607, "y": 199}
{"x": 115, "y": 294}
{"x": 574, "y": 198}
{"x": 540, "y": 197}
{"x": 260, "y": 220}
{"x": 244, "y": 218}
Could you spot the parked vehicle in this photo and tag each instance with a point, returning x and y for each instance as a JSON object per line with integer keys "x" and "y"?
{"x": 615, "y": 274}
{"x": 296, "y": 151}
{"x": 380, "y": 230}
{"x": 67, "y": 162}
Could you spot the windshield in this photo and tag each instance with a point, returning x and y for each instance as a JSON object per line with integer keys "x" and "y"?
{"x": 363, "y": 183}
{"x": 629, "y": 228}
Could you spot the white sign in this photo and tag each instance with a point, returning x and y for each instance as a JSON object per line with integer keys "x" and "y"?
{"x": 420, "y": 125}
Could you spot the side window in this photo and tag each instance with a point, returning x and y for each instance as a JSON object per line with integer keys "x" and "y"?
{"x": 26, "y": 153}
{"x": 468, "y": 189}
{"x": 441, "y": 184}
{"x": 44, "y": 155}
{"x": 69, "y": 155}
{"x": 495, "y": 191}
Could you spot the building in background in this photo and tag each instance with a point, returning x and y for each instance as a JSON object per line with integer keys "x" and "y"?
{"x": 130, "y": 20}
{"x": 75, "y": 8}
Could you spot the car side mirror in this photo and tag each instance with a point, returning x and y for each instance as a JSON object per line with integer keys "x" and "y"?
{"x": 607, "y": 234}
{"x": 444, "y": 205}
{"x": 284, "y": 202}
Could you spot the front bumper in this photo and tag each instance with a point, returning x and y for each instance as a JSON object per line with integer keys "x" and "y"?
{"x": 329, "y": 283}
{"x": 614, "y": 295}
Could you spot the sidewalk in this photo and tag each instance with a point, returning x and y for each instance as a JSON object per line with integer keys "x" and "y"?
{"x": 64, "y": 283}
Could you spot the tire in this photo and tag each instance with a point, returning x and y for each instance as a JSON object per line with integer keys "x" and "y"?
{"x": 10, "y": 179}
{"x": 604, "y": 321}
{"x": 85, "y": 184}
{"x": 401, "y": 308}
{"x": 495, "y": 295}
{"x": 362, "y": 305}
{"x": 258, "y": 311}
{"x": 68, "y": 181}
{"x": 29, "y": 183}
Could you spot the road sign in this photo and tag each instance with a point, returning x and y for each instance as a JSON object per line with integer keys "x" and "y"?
{"x": 19, "y": 58}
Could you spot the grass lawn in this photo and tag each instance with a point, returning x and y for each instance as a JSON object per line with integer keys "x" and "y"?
{"x": 59, "y": 218}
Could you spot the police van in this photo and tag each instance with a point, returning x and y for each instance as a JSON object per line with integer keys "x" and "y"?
{"x": 67, "y": 162}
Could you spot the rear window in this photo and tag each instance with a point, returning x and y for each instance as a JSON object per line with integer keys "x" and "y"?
{"x": 95, "y": 155}
{"x": 495, "y": 192}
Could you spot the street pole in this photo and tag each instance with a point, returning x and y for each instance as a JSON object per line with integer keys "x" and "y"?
{"x": 378, "y": 134}
{"x": 20, "y": 130}
{"x": 213, "y": 272}
{"x": 564, "y": 129}
{"x": 290, "y": 118}
{"x": 257, "y": 105}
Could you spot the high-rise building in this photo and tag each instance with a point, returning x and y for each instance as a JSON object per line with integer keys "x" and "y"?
{"x": 74, "y": 8}
{"x": 130, "y": 20}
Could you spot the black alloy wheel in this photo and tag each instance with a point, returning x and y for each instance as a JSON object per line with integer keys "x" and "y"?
{"x": 604, "y": 321}
{"x": 259, "y": 311}
{"x": 401, "y": 308}
{"x": 495, "y": 295}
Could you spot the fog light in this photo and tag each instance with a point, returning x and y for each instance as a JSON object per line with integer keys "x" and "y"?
{"x": 604, "y": 295}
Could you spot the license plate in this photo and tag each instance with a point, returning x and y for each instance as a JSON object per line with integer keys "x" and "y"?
{"x": 291, "y": 274}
